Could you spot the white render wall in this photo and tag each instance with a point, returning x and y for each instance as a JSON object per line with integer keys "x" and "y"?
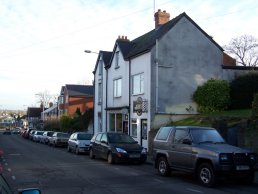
{"x": 113, "y": 73}
{"x": 100, "y": 108}
{"x": 139, "y": 65}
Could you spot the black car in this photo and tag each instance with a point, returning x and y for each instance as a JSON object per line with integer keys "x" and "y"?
{"x": 116, "y": 147}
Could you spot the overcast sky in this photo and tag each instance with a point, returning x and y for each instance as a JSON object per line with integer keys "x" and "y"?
{"x": 42, "y": 42}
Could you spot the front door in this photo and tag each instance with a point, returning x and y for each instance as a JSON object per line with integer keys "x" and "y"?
{"x": 144, "y": 133}
{"x": 125, "y": 127}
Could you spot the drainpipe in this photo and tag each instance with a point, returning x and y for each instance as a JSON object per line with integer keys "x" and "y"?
{"x": 129, "y": 111}
{"x": 106, "y": 95}
{"x": 157, "y": 76}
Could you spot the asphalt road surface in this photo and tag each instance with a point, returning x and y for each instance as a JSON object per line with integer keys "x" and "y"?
{"x": 55, "y": 171}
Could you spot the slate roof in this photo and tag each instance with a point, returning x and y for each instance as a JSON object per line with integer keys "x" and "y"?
{"x": 79, "y": 90}
{"x": 125, "y": 47}
{"x": 106, "y": 56}
{"x": 145, "y": 42}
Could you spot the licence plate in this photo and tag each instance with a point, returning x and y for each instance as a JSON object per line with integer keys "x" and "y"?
{"x": 242, "y": 167}
{"x": 134, "y": 156}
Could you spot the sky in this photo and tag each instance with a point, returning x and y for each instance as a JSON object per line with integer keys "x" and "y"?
{"x": 42, "y": 42}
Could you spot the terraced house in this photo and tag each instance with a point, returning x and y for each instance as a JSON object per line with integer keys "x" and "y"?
{"x": 147, "y": 82}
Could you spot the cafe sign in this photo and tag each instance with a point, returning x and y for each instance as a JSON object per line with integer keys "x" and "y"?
{"x": 139, "y": 106}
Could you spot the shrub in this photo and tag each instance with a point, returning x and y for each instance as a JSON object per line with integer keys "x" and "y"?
{"x": 255, "y": 106}
{"x": 242, "y": 90}
{"x": 214, "y": 95}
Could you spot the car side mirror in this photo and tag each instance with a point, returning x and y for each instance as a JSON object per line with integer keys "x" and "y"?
{"x": 187, "y": 141}
{"x": 29, "y": 191}
{"x": 102, "y": 141}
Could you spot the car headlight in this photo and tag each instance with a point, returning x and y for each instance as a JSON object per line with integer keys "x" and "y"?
{"x": 224, "y": 157}
{"x": 144, "y": 151}
{"x": 252, "y": 157}
{"x": 120, "y": 150}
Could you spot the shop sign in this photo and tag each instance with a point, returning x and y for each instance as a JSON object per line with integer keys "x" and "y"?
{"x": 139, "y": 106}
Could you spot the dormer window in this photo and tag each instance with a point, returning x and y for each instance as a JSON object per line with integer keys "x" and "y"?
{"x": 117, "y": 59}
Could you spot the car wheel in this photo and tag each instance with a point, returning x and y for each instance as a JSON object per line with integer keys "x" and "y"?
{"x": 91, "y": 154}
{"x": 110, "y": 158}
{"x": 206, "y": 175}
{"x": 77, "y": 151}
{"x": 163, "y": 167}
{"x": 68, "y": 149}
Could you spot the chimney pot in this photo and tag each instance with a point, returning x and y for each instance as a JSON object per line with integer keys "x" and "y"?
{"x": 161, "y": 18}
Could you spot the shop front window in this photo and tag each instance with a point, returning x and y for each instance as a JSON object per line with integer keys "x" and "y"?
{"x": 118, "y": 122}
{"x": 112, "y": 122}
{"x": 115, "y": 122}
{"x": 134, "y": 128}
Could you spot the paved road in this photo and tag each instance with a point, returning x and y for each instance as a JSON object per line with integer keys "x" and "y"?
{"x": 54, "y": 170}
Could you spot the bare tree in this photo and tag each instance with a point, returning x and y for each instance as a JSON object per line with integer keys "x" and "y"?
{"x": 44, "y": 98}
{"x": 245, "y": 49}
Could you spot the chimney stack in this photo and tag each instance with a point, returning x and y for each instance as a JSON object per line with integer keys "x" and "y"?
{"x": 123, "y": 38}
{"x": 161, "y": 17}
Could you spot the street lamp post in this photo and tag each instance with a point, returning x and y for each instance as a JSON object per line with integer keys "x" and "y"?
{"x": 89, "y": 51}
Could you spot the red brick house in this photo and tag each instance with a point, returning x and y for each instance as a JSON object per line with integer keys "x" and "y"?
{"x": 73, "y": 97}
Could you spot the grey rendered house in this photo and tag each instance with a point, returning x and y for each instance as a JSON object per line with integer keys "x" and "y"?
{"x": 149, "y": 81}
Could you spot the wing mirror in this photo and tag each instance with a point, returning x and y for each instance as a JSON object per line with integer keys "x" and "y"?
{"x": 30, "y": 191}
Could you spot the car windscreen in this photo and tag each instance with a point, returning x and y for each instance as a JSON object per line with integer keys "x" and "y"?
{"x": 84, "y": 136}
{"x": 120, "y": 138}
{"x": 204, "y": 135}
{"x": 40, "y": 133}
{"x": 65, "y": 135}
{"x": 50, "y": 134}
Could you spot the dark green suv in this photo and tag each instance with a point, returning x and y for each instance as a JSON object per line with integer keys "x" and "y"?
{"x": 202, "y": 151}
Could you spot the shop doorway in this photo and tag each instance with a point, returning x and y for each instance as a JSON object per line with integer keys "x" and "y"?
{"x": 125, "y": 127}
{"x": 144, "y": 132}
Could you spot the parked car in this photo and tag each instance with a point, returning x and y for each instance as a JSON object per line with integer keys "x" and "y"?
{"x": 7, "y": 132}
{"x": 31, "y": 134}
{"x": 37, "y": 135}
{"x": 202, "y": 151}
{"x": 45, "y": 137}
{"x": 27, "y": 133}
{"x": 16, "y": 131}
{"x": 79, "y": 142}
{"x": 116, "y": 147}
{"x": 59, "y": 139}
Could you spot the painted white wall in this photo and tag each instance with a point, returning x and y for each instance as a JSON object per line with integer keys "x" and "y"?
{"x": 139, "y": 65}
{"x": 100, "y": 108}
{"x": 115, "y": 73}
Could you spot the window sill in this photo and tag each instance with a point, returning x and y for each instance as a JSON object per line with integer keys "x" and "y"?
{"x": 117, "y": 96}
{"x": 138, "y": 94}
{"x": 117, "y": 67}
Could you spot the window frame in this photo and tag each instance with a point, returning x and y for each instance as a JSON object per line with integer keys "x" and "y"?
{"x": 116, "y": 88}
{"x": 117, "y": 59}
{"x": 140, "y": 84}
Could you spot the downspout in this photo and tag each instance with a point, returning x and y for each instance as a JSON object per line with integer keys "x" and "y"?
{"x": 157, "y": 76}
{"x": 106, "y": 95}
{"x": 129, "y": 111}
{"x": 94, "y": 100}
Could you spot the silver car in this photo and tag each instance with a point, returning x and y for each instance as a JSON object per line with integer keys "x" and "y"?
{"x": 79, "y": 142}
{"x": 59, "y": 139}
{"x": 45, "y": 137}
{"x": 37, "y": 135}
